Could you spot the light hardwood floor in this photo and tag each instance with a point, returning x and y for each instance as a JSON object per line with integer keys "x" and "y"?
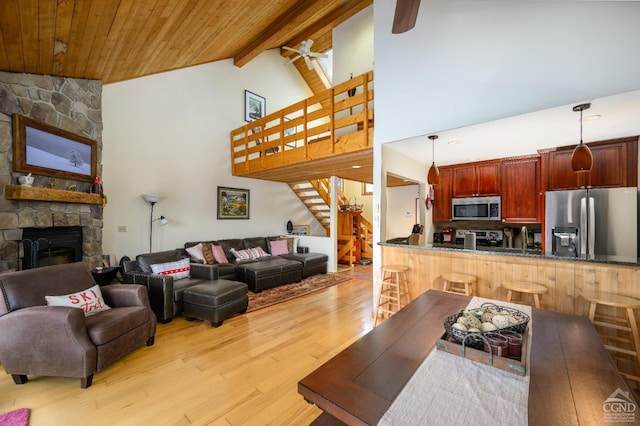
{"x": 242, "y": 373}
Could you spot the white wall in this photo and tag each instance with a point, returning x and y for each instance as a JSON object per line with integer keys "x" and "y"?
{"x": 401, "y": 215}
{"x": 469, "y": 61}
{"x": 400, "y": 165}
{"x": 168, "y": 135}
{"x": 353, "y": 46}
{"x": 353, "y": 191}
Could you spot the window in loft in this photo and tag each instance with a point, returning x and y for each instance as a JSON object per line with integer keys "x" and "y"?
{"x": 324, "y": 68}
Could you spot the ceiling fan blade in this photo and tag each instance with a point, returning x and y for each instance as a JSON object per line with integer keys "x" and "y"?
{"x": 318, "y": 55}
{"x": 309, "y": 64}
{"x": 290, "y": 48}
{"x": 295, "y": 58}
{"x": 309, "y": 44}
{"x": 405, "y": 15}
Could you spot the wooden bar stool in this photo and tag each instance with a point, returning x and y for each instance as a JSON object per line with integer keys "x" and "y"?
{"x": 628, "y": 325}
{"x": 521, "y": 287}
{"x": 459, "y": 283}
{"x": 393, "y": 289}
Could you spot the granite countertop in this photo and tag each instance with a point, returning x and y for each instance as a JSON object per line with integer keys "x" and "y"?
{"x": 503, "y": 251}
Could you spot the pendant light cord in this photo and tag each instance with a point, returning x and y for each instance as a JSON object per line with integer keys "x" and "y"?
{"x": 433, "y": 151}
{"x": 581, "y": 125}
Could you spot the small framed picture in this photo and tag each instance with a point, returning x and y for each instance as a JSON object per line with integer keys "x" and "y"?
{"x": 300, "y": 230}
{"x": 233, "y": 203}
{"x": 255, "y": 106}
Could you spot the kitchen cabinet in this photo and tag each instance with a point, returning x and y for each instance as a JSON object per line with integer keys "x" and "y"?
{"x": 443, "y": 192}
{"x": 521, "y": 194}
{"x": 615, "y": 164}
{"x": 477, "y": 179}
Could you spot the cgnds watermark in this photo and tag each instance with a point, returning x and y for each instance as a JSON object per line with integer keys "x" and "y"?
{"x": 620, "y": 407}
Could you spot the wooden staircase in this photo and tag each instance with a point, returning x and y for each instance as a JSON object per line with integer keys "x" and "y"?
{"x": 366, "y": 233}
{"x": 316, "y": 195}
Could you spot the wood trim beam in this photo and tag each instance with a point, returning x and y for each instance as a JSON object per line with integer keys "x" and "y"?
{"x": 294, "y": 17}
{"x": 318, "y": 30}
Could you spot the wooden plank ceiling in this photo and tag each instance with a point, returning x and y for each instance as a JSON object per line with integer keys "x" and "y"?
{"x": 116, "y": 40}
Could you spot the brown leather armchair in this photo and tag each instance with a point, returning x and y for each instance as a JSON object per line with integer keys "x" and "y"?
{"x": 46, "y": 340}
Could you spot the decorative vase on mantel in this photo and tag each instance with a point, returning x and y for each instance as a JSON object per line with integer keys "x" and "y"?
{"x": 26, "y": 180}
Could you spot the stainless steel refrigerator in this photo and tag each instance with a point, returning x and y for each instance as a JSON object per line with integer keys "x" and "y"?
{"x": 605, "y": 225}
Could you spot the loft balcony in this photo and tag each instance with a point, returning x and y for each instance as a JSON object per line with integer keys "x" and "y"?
{"x": 322, "y": 136}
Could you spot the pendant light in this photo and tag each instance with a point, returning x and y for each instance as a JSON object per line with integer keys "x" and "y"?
{"x": 433, "y": 177}
{"x": 581, "y": 159}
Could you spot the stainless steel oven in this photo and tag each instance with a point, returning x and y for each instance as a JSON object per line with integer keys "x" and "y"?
{"x": 476, "y": 208}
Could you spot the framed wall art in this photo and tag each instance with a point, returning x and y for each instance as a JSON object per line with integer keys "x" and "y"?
{"x": 300, "y": 230}
{"x": 46, "y": 150}
{"x": 255, "y": 106}
{"x": 233, "y": 203}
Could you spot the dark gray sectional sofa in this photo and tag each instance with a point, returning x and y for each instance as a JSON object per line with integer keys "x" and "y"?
{"x": 266, "y": 272}
{"x": 166, "y": 294}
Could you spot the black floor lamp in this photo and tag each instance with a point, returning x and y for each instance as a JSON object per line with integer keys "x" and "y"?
{"x": 151, "y": 199}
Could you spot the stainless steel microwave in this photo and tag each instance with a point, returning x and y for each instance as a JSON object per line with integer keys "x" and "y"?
{"x": 476, "y": 208}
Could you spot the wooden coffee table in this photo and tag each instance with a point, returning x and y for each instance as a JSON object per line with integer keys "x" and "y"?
{"x": 571, "y": 372}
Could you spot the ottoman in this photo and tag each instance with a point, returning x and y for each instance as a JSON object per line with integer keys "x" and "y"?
{"x": 215, "y": 301}
{"x": 272, "y": 272}
{"x": 312, "y": 263}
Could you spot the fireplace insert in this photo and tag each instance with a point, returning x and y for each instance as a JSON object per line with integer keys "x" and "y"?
{"x": 50, "y": 246}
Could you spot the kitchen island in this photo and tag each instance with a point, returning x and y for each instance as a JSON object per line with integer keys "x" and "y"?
{"x": 565, "y": 278}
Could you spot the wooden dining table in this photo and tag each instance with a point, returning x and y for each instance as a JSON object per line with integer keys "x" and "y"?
{"x": 571, "y": 373}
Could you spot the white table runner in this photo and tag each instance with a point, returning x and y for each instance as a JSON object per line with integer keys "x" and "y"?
{"x": 447, "y": 389}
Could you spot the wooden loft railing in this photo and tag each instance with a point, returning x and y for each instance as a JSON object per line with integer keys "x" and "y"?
{"x": 337, "y": 121}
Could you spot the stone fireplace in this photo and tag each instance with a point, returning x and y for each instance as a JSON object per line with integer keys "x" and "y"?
{"x": 71, "y": 104}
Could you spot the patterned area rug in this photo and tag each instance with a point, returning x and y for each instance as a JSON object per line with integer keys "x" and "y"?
{"x": 19, "y": 417}
{"x": 283, "y": 293}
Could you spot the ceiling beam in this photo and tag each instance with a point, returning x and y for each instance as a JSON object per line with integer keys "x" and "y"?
{"x": 294, "y": 18}
{"x": 316, "y": 31}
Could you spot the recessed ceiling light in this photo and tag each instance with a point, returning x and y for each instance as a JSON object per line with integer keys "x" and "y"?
{"x": 591, "y": 118}
{"x": 453, "y": 142}
{"x": 355, "y": 166}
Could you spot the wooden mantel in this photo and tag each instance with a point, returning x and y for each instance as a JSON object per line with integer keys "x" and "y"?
{"x": 18, "y": 192}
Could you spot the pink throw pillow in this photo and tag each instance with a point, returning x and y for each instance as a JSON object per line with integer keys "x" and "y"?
{"x": 279, "y": 247}
{"x": 218, "y": 254}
